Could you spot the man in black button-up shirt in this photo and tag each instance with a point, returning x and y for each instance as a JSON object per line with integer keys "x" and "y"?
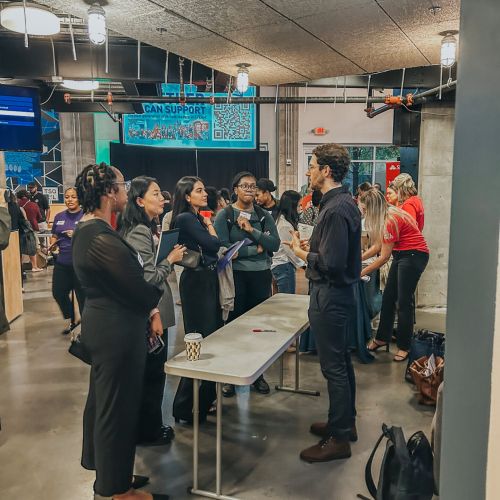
{"x": 333, "y": 257}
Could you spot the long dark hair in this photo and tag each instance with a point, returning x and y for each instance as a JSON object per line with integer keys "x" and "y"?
{"x": 183, "y": 188}
{"x": 133, "y": 215}
{"x": 93, "y": 182}
{"x": 288, "y": 207}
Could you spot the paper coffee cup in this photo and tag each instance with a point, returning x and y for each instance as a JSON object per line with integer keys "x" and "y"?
{"x": 193, "y": 346}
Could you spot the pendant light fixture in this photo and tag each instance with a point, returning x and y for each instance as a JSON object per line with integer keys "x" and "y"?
{"x": 81, "y": 84}
{"x": 448, "y": 49}
{"x": 242, "y": 79}
{"x": 97, "y": 24}
{"x": 30, "y": 19}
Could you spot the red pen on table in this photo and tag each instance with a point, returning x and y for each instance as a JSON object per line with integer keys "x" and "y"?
{"x": 260, "y": 330}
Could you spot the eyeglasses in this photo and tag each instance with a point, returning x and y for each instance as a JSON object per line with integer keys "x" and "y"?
{"x": 248, "y": 187}
{"x": 126, "y": 185}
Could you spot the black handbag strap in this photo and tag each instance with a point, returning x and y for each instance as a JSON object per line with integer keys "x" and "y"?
{"x": 368, "y": 469}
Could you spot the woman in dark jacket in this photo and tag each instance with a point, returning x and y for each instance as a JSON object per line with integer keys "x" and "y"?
{"x": 145, "y": 203}
{"x": 199, "y": 287}
{"x": 119, "y": 302}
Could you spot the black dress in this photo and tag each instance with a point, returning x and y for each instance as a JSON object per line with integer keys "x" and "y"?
{"x": 114, "y": 324}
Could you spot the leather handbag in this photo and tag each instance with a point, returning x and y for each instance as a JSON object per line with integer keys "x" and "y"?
{"x": 427, "y": 383}
{"x": 76, "y": 347}
{"x": 424, "y": 343}
{"x": 191, "y": 259}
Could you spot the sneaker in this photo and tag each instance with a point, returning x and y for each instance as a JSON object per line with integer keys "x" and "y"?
{"x": 261, "y": 386}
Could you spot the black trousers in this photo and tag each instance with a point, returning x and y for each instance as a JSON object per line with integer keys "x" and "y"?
{"x": 251, "y": 288}
{"x": 404, "y": 274}
{"x": 117, "y": 344}
{"x": 64, "y": 280}
{"x": 329, "y": 312}
{"x": 199, "y": 290}
{"x": 151, "y": 415}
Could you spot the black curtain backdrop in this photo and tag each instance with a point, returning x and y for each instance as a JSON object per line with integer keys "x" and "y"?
{"x": 216, "y": 167}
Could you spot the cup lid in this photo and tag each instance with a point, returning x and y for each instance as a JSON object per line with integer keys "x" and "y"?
{"x": 190, "y": 337}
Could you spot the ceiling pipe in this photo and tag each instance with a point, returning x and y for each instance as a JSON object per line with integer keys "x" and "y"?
{"x": 415, "y": 98}
{"x": 406, "y": 100}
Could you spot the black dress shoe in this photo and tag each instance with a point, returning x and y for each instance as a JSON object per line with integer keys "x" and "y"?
{"x": 139, "y": 481}
{"x": 261, "y": 386}
{"x": 166, "y": 435}
{"x": 228, "y": 390}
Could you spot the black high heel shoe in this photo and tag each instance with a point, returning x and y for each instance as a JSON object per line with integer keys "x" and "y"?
{"x": 378, "y": 346}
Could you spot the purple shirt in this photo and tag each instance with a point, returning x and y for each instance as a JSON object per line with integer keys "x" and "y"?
{"x": 65, "y": 221}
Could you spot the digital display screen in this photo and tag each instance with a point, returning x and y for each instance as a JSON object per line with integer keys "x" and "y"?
{"x": 200, "y": 125}
{"x": 20, "y": 122}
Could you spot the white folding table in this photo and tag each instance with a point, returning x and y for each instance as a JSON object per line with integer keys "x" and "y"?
{"x": 234, "y": 354}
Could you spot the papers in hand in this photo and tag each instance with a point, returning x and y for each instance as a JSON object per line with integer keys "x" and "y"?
{"x": 168, "y": 240}
{"x": 230, "y": 253}
{"x": 305, "y": 231}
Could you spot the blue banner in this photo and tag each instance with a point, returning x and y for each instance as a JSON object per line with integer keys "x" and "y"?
{"x": 200, "y": 126}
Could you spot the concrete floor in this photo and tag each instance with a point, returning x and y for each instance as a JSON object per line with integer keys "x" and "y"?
{"x": 43, "y": 391}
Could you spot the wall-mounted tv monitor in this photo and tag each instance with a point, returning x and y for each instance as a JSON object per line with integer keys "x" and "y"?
{"x": 20, "y": 122}
{"x": 197, "y": 126}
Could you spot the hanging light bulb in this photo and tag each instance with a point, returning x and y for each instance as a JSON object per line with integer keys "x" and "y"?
{"x": 242, "y": 80}
{"x": 97, "y": 24}
{"x": 448, "y": 50}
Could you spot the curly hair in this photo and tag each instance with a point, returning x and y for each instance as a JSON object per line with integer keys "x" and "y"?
{"x": 93, "y": 182}
{"x": 334, "y": 156}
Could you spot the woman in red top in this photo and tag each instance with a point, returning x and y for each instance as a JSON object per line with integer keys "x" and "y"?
{"x": 408, "y": 199}
{"x": 394, "y": 232}
{"x": 31, "y": 209}
{"x": 32, "y": 213}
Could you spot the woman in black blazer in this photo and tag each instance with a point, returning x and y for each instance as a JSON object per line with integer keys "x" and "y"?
{"x": 119, "y": 305}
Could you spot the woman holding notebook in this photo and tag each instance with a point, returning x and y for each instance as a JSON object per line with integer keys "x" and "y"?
{"x": 145, "y": 204}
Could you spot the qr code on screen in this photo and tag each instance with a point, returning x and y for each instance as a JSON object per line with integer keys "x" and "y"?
{"x": 232, "y": 122}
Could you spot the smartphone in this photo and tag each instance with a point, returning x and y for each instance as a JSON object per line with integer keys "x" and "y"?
{"x": 155, "y": 344}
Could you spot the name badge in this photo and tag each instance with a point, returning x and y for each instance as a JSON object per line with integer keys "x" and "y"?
{"x": 246, "y": 215}
{"x": 60, "y": 223}
{"x": 139, "y": 258}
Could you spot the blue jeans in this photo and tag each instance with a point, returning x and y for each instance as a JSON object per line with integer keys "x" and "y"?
{"x": 284, "y": 274}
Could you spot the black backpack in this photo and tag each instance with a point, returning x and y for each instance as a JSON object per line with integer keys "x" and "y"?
{"x": 259, "y": 212}
{"x": 406, "y": 472}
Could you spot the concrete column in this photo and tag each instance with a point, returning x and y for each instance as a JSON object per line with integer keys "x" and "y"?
{"x": 288, "y": 142}
{"x": 472, "y": 371}
{"x": 435, "y": 171}
{"x": 77, "y": 144}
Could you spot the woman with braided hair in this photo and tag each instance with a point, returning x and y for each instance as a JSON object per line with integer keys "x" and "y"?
{"x": 119, "y": 304}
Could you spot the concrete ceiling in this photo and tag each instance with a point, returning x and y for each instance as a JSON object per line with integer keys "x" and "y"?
{"x": 285, "y": 40}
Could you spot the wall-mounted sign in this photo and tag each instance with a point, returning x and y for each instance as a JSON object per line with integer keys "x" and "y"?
{"x": 319, "y": 131}
{"x": 52, "y": 193}
{"x": 201, "y": 126}
{"x": 392, "y": 170}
